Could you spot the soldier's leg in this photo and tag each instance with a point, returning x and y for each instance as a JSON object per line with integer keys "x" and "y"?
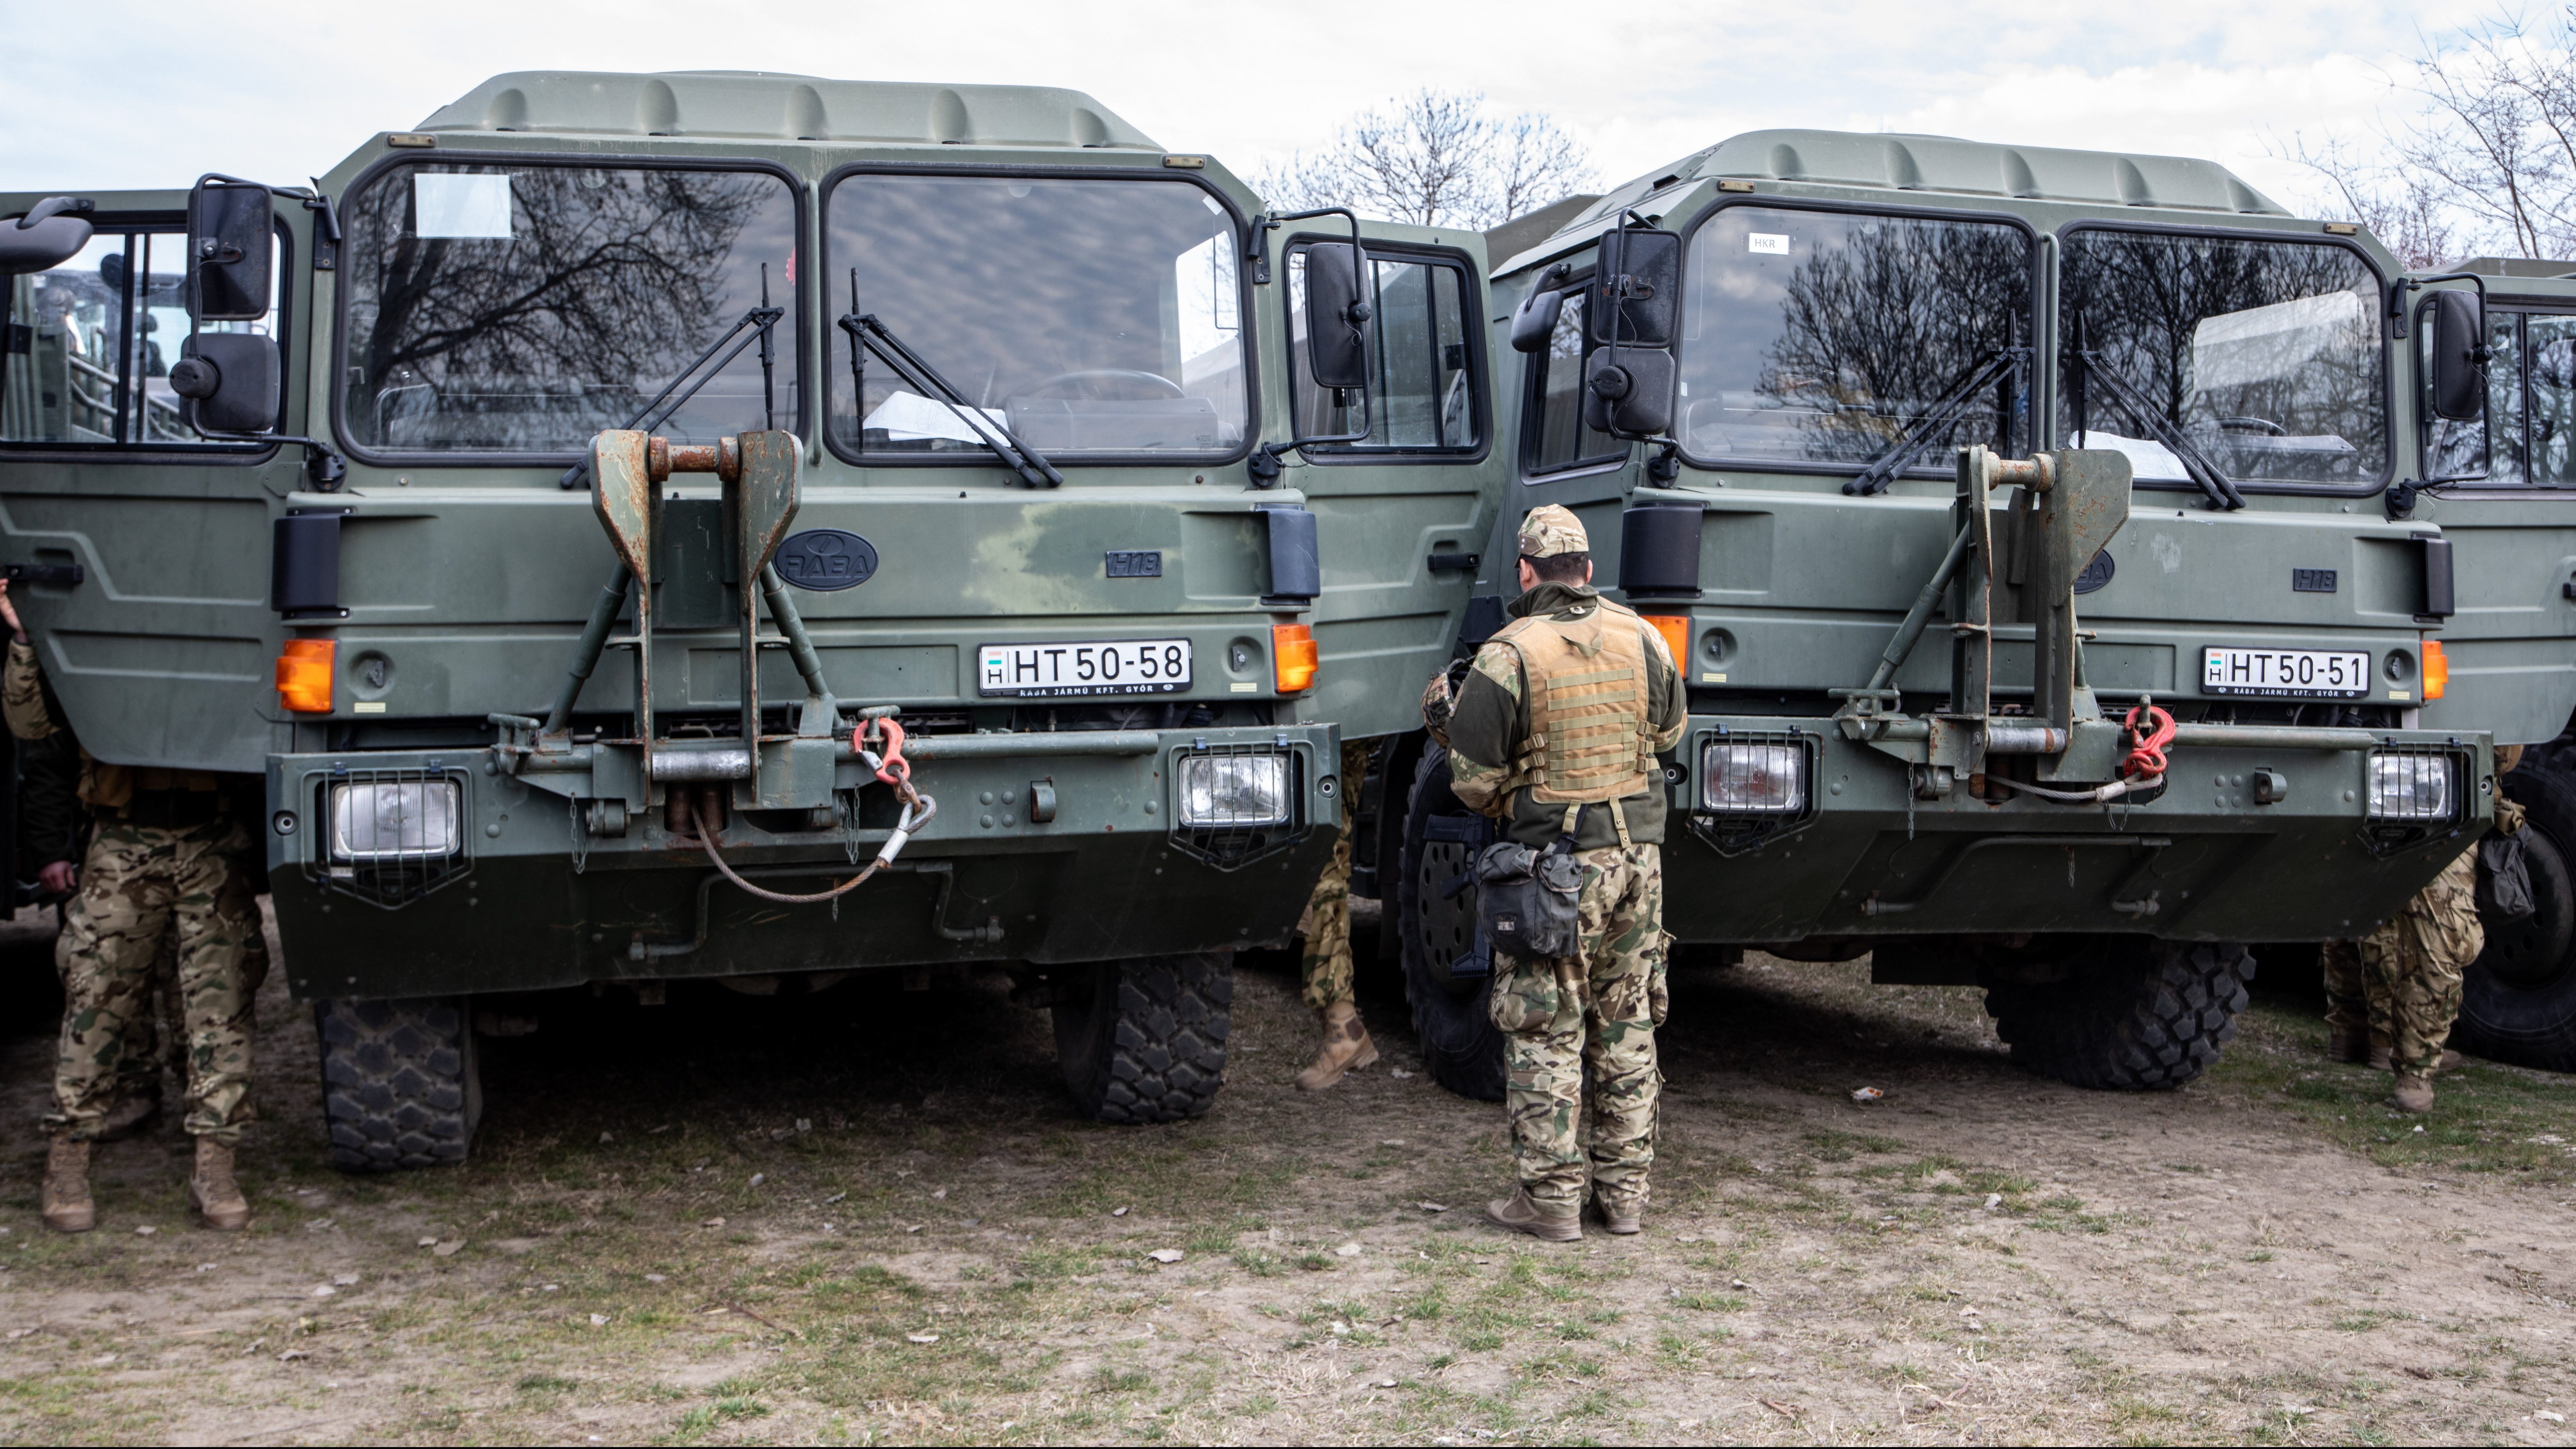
{"x": 2442, "y": 936}
{"x": 111, "y": 932}
{"x": 2347, "y": 1002}
{"x": 2381, "y": 955}
{"x": 1619, "y": 1048}
{"x": 1325, "y": 964}
{"x": 1539, "y": 1005}
{"x": 217, "y": 921}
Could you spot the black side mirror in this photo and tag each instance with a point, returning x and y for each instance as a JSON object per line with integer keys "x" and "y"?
{"x": 2459, "y": 356}
{"x": 51, "y": 233}
{"x": 229, "y": 229}
{"x": 1628, "y": 391}
{"x": 1337, "y": 315}
{"x": 1535, "y": 322}
{"x": 1640, "y": 272}
{"x": 227, "y": 383}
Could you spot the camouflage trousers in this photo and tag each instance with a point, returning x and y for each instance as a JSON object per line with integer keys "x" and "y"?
{"x": 144, "y": 888}
{"x": 2402, "y": 981}
{"x": 1594, "y": 1015}
{"x": 1326, "y": 964}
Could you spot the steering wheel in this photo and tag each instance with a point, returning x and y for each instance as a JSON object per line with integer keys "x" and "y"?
{"x": 1162, "y": 385}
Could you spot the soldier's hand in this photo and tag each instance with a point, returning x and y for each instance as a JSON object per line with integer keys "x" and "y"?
{"x": 60, "y": 878}
{"x": 9, "y": 614}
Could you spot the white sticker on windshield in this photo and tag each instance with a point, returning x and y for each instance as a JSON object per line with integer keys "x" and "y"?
{"x": 1767, "y": 244}
{"x": 460, "y": 206}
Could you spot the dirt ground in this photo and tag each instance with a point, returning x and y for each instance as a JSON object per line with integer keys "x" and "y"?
{"x": 870, "y": 1216}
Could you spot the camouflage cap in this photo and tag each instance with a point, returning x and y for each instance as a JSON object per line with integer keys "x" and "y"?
{"x": 1552, "y": 529}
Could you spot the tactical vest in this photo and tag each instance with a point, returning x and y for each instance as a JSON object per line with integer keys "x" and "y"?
{"x": 1590, "y": 737}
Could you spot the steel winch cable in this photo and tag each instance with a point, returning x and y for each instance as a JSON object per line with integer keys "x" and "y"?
{"x": 891, "y": 767}
{"x": 2143, "y": 769}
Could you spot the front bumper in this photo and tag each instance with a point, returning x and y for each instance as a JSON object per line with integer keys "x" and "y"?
{"x": 1866, "y": 854}
{"x": 552, "y": 885}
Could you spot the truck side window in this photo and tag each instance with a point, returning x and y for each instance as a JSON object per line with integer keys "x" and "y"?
{"x": 2548, "y": 357}
{"x": 90, "y": 343}
{"x": 522, "y": 308}
{"x": 1423, "y": 397}
{"x": 1554, "y": 437}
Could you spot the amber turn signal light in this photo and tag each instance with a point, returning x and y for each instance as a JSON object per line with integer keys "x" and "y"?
{"x": 304, "y": 675}
{"x": 2437, "y": 670}
{"x": 1292, "y": 657}
{"x": 1676, "y": 631}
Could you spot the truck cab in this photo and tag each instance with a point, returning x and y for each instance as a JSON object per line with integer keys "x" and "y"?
{"x": 750, "y": 527}
{"x": 2020, "y": 519}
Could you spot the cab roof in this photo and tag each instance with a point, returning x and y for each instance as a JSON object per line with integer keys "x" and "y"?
{"x": 771, "y": 106}
{"x": 1911, "y": 163}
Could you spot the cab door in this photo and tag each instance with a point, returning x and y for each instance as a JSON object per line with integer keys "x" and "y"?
{"x": 2510, "y": 520}
{"x": 141, "y": 547}
{"x": 1401, "y": 510}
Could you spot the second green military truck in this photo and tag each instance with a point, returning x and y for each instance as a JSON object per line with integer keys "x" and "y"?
{"x": 750, "y": 527}
{"x": 2036, "y": 531}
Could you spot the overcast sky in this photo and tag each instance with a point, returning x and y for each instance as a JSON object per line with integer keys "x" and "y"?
{"x": 281, "y": 90}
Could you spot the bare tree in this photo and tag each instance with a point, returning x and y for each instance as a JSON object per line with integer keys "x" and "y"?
{"x": 1434, "y": 158}
{"x": 2484, "y": 158}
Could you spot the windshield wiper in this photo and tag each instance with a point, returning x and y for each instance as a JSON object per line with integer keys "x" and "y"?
{"x": 868, "y": 334}
{"x": 1936, "y": 422}
{"x": 755, "y": 322}
{"x": 2213, "y": 481}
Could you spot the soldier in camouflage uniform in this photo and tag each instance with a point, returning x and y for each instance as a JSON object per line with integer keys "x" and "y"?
{"x": 1326, "y": 964}
{"x": 2392, "y": 996}
{"x": 1553, "y": 733}
{"x": 163, "y": 872}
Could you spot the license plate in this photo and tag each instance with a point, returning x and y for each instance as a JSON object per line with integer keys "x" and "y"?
{"x": 1119, "y": 666}
{"x": 2286, "y": 673}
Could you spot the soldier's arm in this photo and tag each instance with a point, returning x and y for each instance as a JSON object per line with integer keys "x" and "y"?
{"x": 22, "y": 694}
{"x": 1486, "y": 729}
{"x": 1667, "y": 701}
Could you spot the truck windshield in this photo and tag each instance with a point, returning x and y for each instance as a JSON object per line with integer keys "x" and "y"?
{"x": 2265, "y": 355}
{"x": 522, "y": 309}
{"x": 1086, "y": 315}
{"x": 1822, "y": 337}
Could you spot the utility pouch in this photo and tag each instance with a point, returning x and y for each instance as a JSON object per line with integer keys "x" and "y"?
{"x": 1528, "y": 901}
{"x": 2504, "y": 879}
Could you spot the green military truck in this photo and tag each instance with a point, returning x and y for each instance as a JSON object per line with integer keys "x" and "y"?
{"x": 749, "y": 527}
{"x": 2501, "y": 483}
{"x": 2033, "y": 529}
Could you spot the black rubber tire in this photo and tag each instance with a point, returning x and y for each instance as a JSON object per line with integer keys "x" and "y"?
{"x": 2518, "y": 999}
{"x": 400, "y": 1083}
{"x": 1451, "y": 1028}
{"x": 2137, "y": 1015}
{"x": 1146, "y": 1043}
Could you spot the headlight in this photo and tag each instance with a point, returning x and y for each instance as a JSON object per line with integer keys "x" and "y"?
{"x": 1220, "y": 791}
{"x": 1753, "y": 779}
{"x": 2412, "y": 787}
{"x": 404, "y": 820}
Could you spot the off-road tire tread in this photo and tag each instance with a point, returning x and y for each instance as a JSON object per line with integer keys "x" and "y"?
{"x": 2148, "y": 1019}
{"x": 2531, "y": 1025}
{"x": 1461, "y": 1048}
{"x": 1149, "y": 1045}
{"x": 400, "y": 1087}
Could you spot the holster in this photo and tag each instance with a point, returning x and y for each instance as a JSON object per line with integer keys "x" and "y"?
{"x": 1529, "y": 902}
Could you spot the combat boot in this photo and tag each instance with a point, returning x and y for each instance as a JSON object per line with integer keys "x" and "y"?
{"x": 1621, "y": 1219}
{"x": 2346, "y": 1045}
{"x": 67, "y": 1205}
{"x": 2414, "y": 1094}
{"x": 212, "y": 1191}
{"x": 1346, "y": 1048}
{"x": 1522, "y": 1215}
{"x": 134, "y": 1114}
